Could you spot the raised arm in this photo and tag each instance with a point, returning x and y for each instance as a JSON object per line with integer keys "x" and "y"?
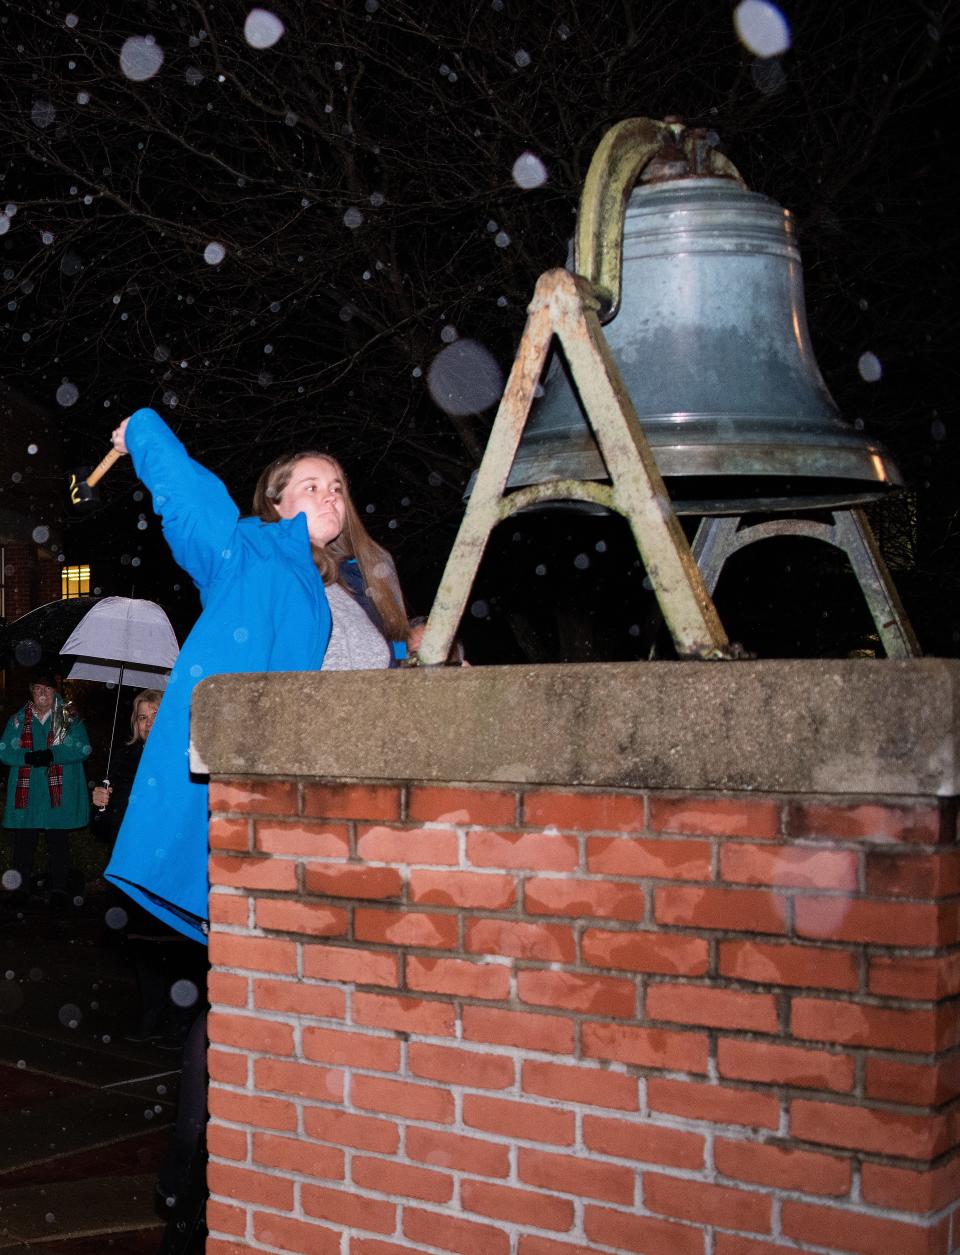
{"x": 198, "y": 514}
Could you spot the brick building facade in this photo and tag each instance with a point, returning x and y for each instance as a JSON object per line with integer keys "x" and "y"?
{"x": 32, "y": 503}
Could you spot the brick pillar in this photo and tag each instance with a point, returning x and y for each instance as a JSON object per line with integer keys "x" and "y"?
{"x": 569, "y": 1005}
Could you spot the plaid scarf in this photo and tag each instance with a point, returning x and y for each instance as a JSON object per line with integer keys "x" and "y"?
{"x": 54, "y": 771}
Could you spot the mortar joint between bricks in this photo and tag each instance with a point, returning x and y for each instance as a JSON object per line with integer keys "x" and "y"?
{"x": 784, "y": 1005}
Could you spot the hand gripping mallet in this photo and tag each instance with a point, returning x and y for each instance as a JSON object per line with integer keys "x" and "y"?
{"x": 84, "y": 491}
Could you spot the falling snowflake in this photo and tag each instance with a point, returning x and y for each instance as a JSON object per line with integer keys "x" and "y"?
{"x": 183, "y": 993}
{"x": 214, "y": 253}
{"x": 768, "y": 76}
{"x": 353, "y": 218}
{"x": 869, "y": 367}
{"x": 464, "y": 378}
{"x": 67, "y": 394}
{"x": 43, "y": 114}
{"x": 262, "y": 28}
{"x": 761, "y": 28}
{"x": 140, "y": 58}
{"x": 69, "y": 1015}
{"x": 529, "y": 171}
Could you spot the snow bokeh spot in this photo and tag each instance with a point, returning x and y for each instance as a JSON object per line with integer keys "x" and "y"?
{"x": 761, "y": 28}
{"x": 140, "y": 58}
{"x": 262, "y": 29}
{"x": 465, "y": 378}
{"x": 529, "y": 171}
{"x": 43, "y": 114}
{"x": 869, "y": 367}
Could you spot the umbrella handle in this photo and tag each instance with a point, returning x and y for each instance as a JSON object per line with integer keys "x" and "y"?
{"x": 105, "y": 782}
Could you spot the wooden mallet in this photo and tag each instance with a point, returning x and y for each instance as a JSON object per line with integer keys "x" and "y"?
{"x": 84, "y": 491}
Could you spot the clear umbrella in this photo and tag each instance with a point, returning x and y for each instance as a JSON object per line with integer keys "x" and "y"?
{"x": 122, "y": 640}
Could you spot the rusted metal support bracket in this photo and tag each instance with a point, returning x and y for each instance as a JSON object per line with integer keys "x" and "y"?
{"x": 565, "y": 306}
{"x": 718, "y": 538}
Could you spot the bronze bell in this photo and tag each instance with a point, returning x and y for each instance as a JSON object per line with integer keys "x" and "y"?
{"x": 709, "y": 332}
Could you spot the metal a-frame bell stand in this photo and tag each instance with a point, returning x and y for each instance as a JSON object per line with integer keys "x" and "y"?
{"x": 567, "y": 306}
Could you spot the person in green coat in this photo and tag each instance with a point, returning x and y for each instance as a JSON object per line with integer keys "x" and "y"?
{"x": 44, "y": 745}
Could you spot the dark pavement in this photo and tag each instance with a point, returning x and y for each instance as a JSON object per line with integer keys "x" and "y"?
{"x": 84, "y": 1114}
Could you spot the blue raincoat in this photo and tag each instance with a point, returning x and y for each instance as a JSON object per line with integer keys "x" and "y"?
{"x": 264, "y": 609}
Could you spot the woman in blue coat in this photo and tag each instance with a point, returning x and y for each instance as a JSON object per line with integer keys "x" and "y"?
{"x": 265, "y": 608}
{"x": 263, "y": 585}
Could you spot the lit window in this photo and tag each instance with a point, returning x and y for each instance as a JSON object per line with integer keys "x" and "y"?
{"x": 75, "y": 581}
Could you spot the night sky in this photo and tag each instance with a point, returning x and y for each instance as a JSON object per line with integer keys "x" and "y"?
{"x": 269, "y": 229}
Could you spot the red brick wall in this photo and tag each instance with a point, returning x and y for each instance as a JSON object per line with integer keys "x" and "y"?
{"x": 545, "y": 1022}
{"x": 30, "y": 578}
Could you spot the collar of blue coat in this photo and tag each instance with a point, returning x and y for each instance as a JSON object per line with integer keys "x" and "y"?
{"x": 291, "y": 534}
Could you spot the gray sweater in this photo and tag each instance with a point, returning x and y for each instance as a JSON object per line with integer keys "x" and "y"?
{"x": 355, "y": 644}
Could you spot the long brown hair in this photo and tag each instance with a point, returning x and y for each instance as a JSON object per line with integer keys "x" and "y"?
{"x": 376, "y": 566}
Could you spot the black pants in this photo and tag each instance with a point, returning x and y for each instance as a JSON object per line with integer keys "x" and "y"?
{"x": 166, "y": 965}
{"x": 182, "y": 1183}
{"x": 25, "y": 842}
